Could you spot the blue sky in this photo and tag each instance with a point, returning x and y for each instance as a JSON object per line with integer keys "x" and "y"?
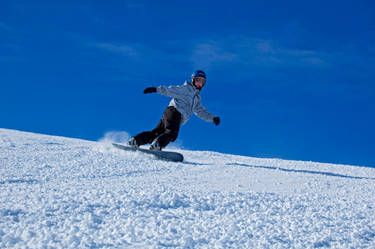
{"x": 289, "y": 79}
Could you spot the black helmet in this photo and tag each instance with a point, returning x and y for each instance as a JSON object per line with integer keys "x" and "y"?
{"x": 199, "y": 73}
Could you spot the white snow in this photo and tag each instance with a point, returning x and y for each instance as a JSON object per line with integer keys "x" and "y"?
{"x": 58, "y": 192}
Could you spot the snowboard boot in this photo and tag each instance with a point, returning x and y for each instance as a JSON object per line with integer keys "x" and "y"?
{"x": 155, "y": 145}
{"x": 133, "y": 143}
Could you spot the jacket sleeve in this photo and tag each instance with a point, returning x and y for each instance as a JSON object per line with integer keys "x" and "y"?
{"x": 202, "y": 112}
{"x": 171, "y": 91}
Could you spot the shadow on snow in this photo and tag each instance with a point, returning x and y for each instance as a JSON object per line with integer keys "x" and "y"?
{"x": 302, "y": 171}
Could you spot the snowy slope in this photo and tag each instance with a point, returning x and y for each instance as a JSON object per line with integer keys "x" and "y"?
{"x": 69, "y": 193}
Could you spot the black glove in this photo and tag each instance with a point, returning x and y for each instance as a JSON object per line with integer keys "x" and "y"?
{"x": 149, "y": 90}
{"x": 216, "y": 120}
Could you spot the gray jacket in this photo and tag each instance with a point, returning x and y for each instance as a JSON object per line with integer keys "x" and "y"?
{"x": 186, "y": 99}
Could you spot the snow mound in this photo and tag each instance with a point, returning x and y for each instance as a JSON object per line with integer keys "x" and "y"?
{"x": 69, "y": 193}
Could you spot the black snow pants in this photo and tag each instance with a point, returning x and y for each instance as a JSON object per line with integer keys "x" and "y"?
{"x": 166, "y": 130}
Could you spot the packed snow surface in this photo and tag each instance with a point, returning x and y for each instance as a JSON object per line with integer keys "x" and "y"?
{"x": 60, "y": 192}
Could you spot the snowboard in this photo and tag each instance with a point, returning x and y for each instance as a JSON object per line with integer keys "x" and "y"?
{"x": 164, "y": 155}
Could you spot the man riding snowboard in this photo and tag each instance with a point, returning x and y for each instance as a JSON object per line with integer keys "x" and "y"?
{"x": 186, "y": 100}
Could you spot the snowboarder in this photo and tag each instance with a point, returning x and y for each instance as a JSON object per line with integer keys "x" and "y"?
{"x": 186, "y": 100}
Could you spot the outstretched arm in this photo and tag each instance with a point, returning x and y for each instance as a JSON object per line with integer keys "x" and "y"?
{"x": 202, "y": 112}
{"x": 171, "y": 91}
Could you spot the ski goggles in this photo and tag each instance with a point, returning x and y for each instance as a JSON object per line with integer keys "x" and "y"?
{"x": 200, "y": 80}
